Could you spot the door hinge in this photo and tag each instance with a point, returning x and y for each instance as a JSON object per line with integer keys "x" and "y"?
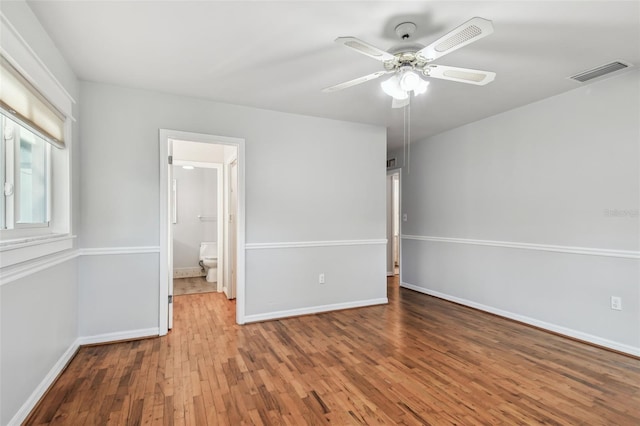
{"x": 170, "y": 298}
{"x": 8, "y": 189}
{"x": 171, "y": 159}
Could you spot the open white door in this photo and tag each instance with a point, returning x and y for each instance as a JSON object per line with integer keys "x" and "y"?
{"x": 171, "y": 184}
{"x": 393, "y": 222}
{"x": 389, "y": 225}
{"x": 230, "y": 288}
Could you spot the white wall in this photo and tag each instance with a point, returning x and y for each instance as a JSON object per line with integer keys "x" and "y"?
{"x": 307, "y": 180}
{"x": 39, "y": 324}
{"x": 560, "y": 173}
{"x": 39, "y": 305}
{"x": 197, "y": 195}
{"x": 118, "y": 294}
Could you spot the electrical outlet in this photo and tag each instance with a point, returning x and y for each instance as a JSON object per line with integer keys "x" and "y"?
{"x": 404, "y": 217}
{"x": 616, "y": 303}
{"x": 321, "y": 278}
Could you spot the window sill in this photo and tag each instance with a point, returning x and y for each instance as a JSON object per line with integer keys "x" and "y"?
{"x": 30, "y": 248}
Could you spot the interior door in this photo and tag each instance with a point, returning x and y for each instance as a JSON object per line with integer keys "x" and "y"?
{"x": 390, "y": 240}
{"x": 171, "y": 196}
{"x": 233, "y": 227}
{"x": 396, "y": 220}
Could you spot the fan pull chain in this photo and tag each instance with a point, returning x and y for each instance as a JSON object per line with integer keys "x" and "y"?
{"x": 409, "y": 138}
{"x": 404, "y": 136}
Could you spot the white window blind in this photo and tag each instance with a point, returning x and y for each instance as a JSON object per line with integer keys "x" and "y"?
{"x": 25, "y": 104}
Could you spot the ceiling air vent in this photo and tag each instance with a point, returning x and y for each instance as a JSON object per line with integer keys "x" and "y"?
{"x": 599, "y": 71}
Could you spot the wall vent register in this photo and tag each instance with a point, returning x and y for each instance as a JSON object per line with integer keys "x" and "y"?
{"x": 603, "y": 70}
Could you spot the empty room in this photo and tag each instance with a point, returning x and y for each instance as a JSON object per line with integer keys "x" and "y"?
{"x": 319, "y": 212}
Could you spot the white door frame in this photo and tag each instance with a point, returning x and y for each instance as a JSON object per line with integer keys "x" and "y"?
{"x": 165, "y": 135}
{"x": 391, "y": 172}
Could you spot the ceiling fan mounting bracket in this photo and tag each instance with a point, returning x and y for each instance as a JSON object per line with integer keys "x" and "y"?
{"x": 405, "y": 30}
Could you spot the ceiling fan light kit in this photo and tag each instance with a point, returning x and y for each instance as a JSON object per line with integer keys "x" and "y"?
{"x": 401, "y": 84}
{"x": 410, "y": 63}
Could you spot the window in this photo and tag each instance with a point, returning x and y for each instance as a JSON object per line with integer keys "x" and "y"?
{"x": 35, "y": 157}
{"x": 35, "y": 169}
{"x": 26, "y": 178}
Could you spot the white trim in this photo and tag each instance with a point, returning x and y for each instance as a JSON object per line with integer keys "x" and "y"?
{"x": 118, "y": 336}
{"x": 66, "y": 357}
{"x": 315, "y": 309}
{"x": 627, "y": 254}
{"x": 390, "y": 273}
{"x": 16, "y": 49}
{"x": 106, "y": 251}
{"x": 200, "y": 164}
{"x": 24, "y": 249}
{"x": 29, "y": 268}
{"x": 531, "y": 321}
{"x": 301, "y": 244}
{"x": 44, "y": 385}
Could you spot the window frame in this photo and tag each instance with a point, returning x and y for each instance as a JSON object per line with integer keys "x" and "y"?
{"x": 30, "y": 244}
{"x": 10, "y": 209}
{"x": 33, "y": 243}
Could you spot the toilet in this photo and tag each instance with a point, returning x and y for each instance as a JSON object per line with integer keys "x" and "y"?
{"x": 209, "y": 260}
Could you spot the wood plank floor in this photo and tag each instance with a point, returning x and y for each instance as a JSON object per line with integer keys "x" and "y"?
{"x": 418, "y": 360}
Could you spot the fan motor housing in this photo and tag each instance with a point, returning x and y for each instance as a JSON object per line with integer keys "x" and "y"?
{"x": 405, "y": 55}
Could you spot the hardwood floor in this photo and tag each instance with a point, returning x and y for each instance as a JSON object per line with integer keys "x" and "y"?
{"x": 418, "y": 360}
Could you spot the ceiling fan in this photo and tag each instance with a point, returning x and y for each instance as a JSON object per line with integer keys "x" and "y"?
{"x": 410, "y": 62}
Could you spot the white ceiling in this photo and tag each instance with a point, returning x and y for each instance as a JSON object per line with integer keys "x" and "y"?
{"x": 279, "y": 55}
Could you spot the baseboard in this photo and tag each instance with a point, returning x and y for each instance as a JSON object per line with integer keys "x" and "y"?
{"x": 44, "y": 385}
{"x": 589, "y": 338}
{"x": 314, "y": 310}
{"x": 64, "y": 360}
{"x": 189, "y": 272}
{"x": 118, "y": 336}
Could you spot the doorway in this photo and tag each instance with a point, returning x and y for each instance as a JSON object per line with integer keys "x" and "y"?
{"x": 225, "y": 157}
{"x": 197, "y": 217}
{"x": 393, "y": 223}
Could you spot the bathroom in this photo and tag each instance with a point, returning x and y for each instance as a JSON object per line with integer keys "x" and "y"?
{"x": 198, "y": 230}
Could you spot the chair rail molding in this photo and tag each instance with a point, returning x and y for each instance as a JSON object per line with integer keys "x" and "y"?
{"x": 301, "y": 244}
{"x": 24, "y": 269}
{"x": 628, "y": 254}
{"x": 102, "y": 251}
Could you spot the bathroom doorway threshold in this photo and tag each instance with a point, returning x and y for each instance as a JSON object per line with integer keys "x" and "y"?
{"x": 193, "y": 285}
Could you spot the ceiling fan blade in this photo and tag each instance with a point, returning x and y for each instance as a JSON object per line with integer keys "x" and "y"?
{"x": 365, "y": 48}
{"x": 472, "y": 30}
{"x": 461, "y": 75}
{"x": 355, "y": 81}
